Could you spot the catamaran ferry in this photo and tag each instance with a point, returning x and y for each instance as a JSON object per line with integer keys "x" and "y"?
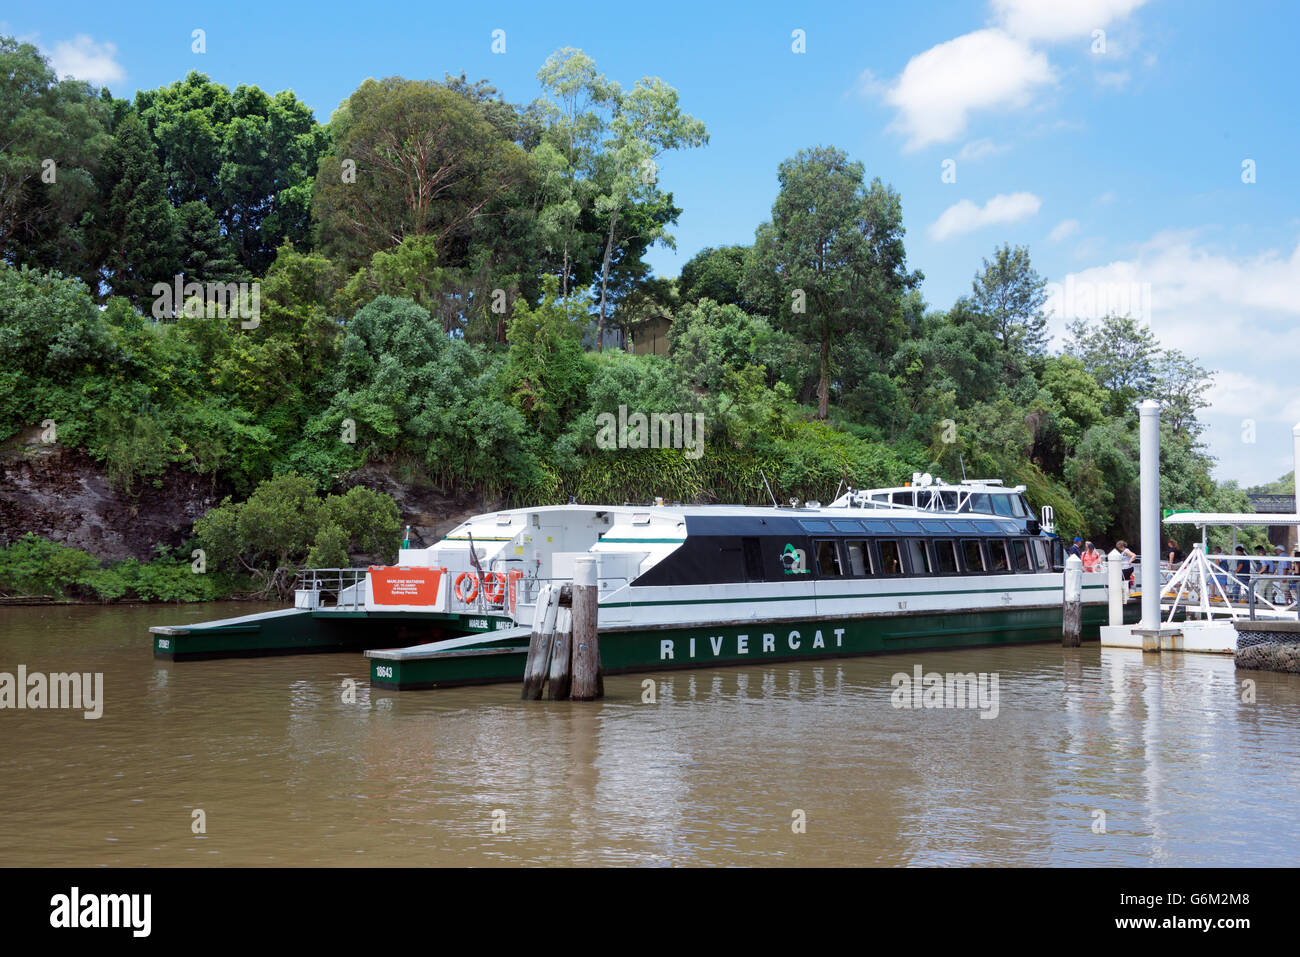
{"x": 926, "y": 565}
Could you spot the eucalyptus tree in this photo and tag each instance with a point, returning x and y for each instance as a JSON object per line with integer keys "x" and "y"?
{"x": 830, "y": 263}
{"x": 1010, "y": 293}
{"x": 410, "y": 158}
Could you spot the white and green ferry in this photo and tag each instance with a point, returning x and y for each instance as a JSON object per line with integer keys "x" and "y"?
{"x": 923, "y": 566}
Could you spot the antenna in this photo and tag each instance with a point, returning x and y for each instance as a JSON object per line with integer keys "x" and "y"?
{"x": 963, "y": 467}
{"x": 837, "y": 490}
{"x": 769, "y": 489}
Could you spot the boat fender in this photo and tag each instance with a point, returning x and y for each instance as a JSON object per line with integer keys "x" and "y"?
{"x": 472, "y": 592}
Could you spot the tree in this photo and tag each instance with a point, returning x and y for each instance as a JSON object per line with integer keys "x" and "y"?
{"x": 248, "y": 155}
{"x": 427, "y": 163}
{"x": 1120, "y": 354}
{"x": 1180, "y": 387}
{"x": 1010, "y": 293}
{"x": 831, "y": 260}
{"x": 136, "y": 237}
{"x": 715, "y": 273}
{"x": 576, "y": 114}
{"x": 52, "y": 137}
{"x": 646, "y": 122}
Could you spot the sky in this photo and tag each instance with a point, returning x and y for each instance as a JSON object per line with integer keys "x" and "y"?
{"x": 1146, "y": 151}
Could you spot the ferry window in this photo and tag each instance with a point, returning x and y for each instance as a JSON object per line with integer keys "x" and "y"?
{"x": 923, "y": 499}
{"x": 961, "y": 528}
{"x": 945, "y": 556}
{"x": 878, "y": 527}
{"x": 1021, "y": 551}
{"x": 859, "y": 558}
{"x": 979, "y": 502}
{"x": 903, "y": 498}
{"x": 919, "y": 557}
{"x": 905, "y": 525}
{"x": 753, "y": 559}
{"x": 1018, "y": 506}
{"x": 1058, "y": 555}
{"x": 991, "y": 527}
{"x": 998, "y": 550}
{"x": 1002, "y": 505}
{"x": 948, "y": 501}
{"x": 847, "y": 526}
{"x": 828, "y": 559}
{"x": 1040, "y": 552}
{"x": 939, "y": 527}
{"x": 970, "y": 548}
{"x": 810, "y": 526}
{"x": 891, "y": 561}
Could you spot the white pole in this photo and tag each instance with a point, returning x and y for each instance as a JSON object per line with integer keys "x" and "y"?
{"x": 1149, "y": 415}
{"x": 1114, "y": 586}
{"x": 1072, "y": 610}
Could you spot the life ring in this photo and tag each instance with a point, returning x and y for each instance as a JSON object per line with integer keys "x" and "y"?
{"x": 494, "y": 588}
{"x": 473, "y": 587}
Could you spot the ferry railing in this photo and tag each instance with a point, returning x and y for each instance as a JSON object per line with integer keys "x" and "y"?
{"x": 320, "y": 584}
{"x": 1209, "y": 583}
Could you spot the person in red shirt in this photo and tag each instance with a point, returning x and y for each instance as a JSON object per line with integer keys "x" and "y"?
{"x": 1091, "y": 557}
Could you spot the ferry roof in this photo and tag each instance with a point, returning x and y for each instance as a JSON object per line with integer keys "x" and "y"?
{"x": 1231, "y": 518}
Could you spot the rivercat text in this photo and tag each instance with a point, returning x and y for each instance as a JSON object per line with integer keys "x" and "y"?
{"x": 767, "y": 643}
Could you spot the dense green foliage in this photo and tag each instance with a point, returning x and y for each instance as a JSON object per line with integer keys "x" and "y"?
{"x": 436, "y": 270}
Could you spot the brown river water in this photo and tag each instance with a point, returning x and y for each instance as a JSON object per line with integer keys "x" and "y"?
{"x": 789, "y": 764}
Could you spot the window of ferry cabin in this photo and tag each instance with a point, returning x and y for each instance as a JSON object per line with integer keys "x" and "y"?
{"x": 998, "y": 552}
{"x": 859, "y": 556}
{"x": 1002, "y": 505}
{"x": 974, "y": 555}
{"x": 891, "y": 560}
{"x": 1018, "y": 506}
{"x": 828, "y": 558}
{"x": 1021, "y": 551}
{"x": 945, "y": 556}
{"x": 919, "y": 557}
{"x": 1040, "y": 553}
{"x": 978, "y": 502}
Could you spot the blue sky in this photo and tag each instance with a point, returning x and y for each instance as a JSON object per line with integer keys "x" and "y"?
{"x": 1117, "y": 158}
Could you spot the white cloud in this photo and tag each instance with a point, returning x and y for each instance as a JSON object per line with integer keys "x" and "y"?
{"x": 1117, "y": 79}
{"x": 1249, "y": 396}
{"x": 1063, "y": 230}
{"x": 1055, "y": 20}
{"x": 978, "y": 149}
{"x": 939, "y": 88}
{"x": 84, "y": 59}
{"x": 965, "y": 216}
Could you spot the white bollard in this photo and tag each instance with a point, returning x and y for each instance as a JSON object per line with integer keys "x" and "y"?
{"x": 1072, "y": 606}
{"x": 1115, "y": 586}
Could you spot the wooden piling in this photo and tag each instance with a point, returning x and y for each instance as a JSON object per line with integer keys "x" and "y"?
{"x": 1072, "y": 605}
{"x": 540, "y": 643}
{"x": 562, "y": 650}
{"x": 588, "y": 676}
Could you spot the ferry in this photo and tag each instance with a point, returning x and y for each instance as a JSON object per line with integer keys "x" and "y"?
{"x": 926, "y": 565}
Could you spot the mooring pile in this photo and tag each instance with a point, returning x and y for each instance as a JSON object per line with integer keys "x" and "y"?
{"x": 564, "y": 650}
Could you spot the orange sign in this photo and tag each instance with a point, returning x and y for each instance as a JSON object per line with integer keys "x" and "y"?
{"x": 404, "y": 584}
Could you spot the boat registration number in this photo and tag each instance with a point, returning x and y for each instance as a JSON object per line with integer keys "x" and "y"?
{"x": 383, "y": 671}
{"x": 164, "y": 643}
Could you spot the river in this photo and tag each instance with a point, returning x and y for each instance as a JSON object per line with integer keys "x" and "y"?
{"x": 1095, "y": 757}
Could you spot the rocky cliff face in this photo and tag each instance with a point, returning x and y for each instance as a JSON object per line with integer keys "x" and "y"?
{"x": 63, "y": 495}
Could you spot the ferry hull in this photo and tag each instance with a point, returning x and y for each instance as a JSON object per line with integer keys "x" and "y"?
{"x": 674, "y": 648}
{"x": 296, "y": 631}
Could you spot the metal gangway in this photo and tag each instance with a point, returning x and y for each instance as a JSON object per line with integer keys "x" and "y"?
{"x": 1206, "y": 585}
